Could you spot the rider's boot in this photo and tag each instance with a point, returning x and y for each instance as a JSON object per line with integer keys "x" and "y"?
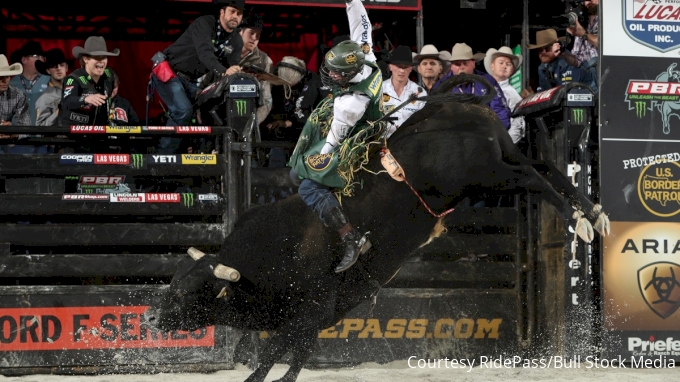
{"x": 354, "y": 243}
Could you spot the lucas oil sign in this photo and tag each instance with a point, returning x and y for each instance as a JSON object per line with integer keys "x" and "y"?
{"x": 653, "y": 23}
{"x": 77, "y": 328}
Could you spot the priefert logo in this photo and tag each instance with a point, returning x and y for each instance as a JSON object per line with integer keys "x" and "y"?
{"x": 637, "y": 344}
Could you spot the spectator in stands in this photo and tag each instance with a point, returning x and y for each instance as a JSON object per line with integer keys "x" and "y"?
{"x": 251, "y": 55}
{"x": 586, "y": 43}
{"x": 292, "y": 105}
{"x": 13, "y": 103}
{"x": 502, "y": 64}
{"x": 399, "y": 88}
{"x": 210, "y": 44}
{"x": 31, "y": 82}
{"x": 554, "y": 70}
{"x": 463, "y": 61}
{"x": 56, "y": 66}
{"x": 429, "y": 66}
{"x": 121, "y": 111}
{"x": 88, "y": 90}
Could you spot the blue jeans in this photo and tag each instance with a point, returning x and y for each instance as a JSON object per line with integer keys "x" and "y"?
{"x": 317, "y": 196}
{"x": 177, "y": 94}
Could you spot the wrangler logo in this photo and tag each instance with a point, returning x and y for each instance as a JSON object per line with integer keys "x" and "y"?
{"x": 124, "y": 129}
{"x": 319, "y": 162}
{"x": 376, "y": 84}
{"x": 199, "y": 159}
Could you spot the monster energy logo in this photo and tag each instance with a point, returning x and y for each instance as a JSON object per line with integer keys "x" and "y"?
{"x": 188, "y": 200}
{"x": 72, "y": 177}
{"x": 69, "y": 81}
{"x": 578, "y": 116}
{"x": 137, "y": 160}
{"x": 89, "y": 191}
{"x": 83, "y": 80}
{"x": 640, "y": 109}
{"x": 241, "y": 107}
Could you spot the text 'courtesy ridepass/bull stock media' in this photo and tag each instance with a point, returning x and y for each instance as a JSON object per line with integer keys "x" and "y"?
{"x": 548, "y": 362}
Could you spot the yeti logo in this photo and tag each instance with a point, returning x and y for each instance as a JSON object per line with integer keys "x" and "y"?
{"x": 660, "y": 288}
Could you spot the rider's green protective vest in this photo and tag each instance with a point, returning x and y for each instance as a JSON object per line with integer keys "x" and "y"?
{"x": 323, "y": 168}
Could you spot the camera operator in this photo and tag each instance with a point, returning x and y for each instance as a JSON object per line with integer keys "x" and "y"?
{"x": 586, "y": 41}
{"x": 555, "y": 70}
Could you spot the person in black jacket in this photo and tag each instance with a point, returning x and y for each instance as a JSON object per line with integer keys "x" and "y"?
{"x": 210, "y": 44}
{"x": 87, "y": 91}
{"x": 121, "y": 111}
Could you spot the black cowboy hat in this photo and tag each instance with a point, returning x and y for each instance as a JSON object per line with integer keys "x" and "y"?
{"x": 253, "y": 22}
{"x": 28, "y": 49}
{"x": 401, "y": 55}
{"x": 53, "y": 57}
{"x": 238, "y": 4}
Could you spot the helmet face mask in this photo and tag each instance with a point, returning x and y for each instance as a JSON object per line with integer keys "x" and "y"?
{"x": 342, "y": 63}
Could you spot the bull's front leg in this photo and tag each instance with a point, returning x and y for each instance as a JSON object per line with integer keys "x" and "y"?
{"x": 299, "y": 333}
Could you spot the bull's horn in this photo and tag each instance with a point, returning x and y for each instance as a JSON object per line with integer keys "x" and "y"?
{"x": 195, "y": 253}
{"x": 226, "y": 273}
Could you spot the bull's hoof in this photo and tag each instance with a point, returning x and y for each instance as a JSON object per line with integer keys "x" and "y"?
{"x": 602, "y": 224}
{"x": 583, "y": 229}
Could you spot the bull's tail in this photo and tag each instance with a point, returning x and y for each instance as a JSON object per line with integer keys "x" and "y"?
{"x": 443, "y": 93}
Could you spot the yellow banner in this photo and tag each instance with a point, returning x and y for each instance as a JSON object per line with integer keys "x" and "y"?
{"x": 124, "y": 129}
{"x": 199, "y": 159}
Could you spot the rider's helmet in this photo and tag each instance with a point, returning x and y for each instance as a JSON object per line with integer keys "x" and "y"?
{"x": 342, "y": 63}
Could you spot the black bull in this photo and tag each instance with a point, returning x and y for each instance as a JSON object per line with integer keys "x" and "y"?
{"x": 286, "y": 256}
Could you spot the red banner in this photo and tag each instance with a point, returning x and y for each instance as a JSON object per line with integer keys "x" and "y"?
{"x": 101, "y": 327}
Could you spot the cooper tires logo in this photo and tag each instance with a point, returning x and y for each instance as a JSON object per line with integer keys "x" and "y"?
{"x": 660, "y": 287}
{"x": 659, "y": 189}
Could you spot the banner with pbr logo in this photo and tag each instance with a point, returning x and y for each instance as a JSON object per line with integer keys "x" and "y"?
{"x": 640, "y": 176}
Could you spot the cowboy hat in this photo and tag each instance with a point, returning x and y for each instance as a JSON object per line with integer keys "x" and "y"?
{"x": 9, "y": 70}
{"x": 545, "y": 37}
{"x": 479, "y": 56}
{"x": 461, "y": 52}
{"x": 444, "y": 55}
{"x": 401, "y": 55}
{"x": 94, "y": 46}
{"x": 253, "y": 22}
{"x": 505, "y": 51}
{"x": 53, "y": 57}
{"x": 427, "y": 51}
{"x": 28, "y": 49}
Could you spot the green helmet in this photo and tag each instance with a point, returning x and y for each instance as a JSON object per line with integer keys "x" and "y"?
{"x": 342, "y": 63}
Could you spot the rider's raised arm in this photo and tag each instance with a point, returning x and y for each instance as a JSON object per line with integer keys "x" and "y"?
{"x": 360, "y": 28}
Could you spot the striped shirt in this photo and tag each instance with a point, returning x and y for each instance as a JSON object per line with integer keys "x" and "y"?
{"x": 14, "y": 107}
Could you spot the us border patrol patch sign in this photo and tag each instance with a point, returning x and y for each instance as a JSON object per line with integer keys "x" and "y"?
{"x": 653, "y": 23}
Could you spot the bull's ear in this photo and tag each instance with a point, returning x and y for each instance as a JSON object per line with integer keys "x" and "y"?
{"x": 222, "y": 293}
{"x": 226, "y": 273}
{"x": 195, "y": 253}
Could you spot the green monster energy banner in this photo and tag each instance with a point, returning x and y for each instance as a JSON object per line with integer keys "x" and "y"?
{"x": 241, "y": 107}
{"x": 137, "y": 160}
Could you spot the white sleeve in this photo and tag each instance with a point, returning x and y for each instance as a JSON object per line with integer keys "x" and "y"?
{"x": 360, "y": 27}
{"x": 347, "y": 111}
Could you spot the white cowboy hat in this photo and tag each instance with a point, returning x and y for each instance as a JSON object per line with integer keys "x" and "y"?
{"x": 461, "y": 52}
{"x": 445, "y": 55}
{"x": 479, "y": 56}
{"x": 9, "y": 70}
{"x": 94, "y": 46}
{"x": 427, "y": 51}
{"x": 492, "y": 53}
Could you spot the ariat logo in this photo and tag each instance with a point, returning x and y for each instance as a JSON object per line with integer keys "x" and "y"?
{"x": 241, "y": 107}
{"x": 351, "y": 59}
{"x": 319, "y": 162}
{"x": 640, "y": 109}
{"x": 137, "y": 160}
{"x": 578, "y": 116}
{"x": 188, "y": 200}
{"x": 660, "y": 287}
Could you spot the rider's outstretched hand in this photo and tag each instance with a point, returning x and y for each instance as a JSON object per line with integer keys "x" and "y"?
{"x": 232, "y": 69}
